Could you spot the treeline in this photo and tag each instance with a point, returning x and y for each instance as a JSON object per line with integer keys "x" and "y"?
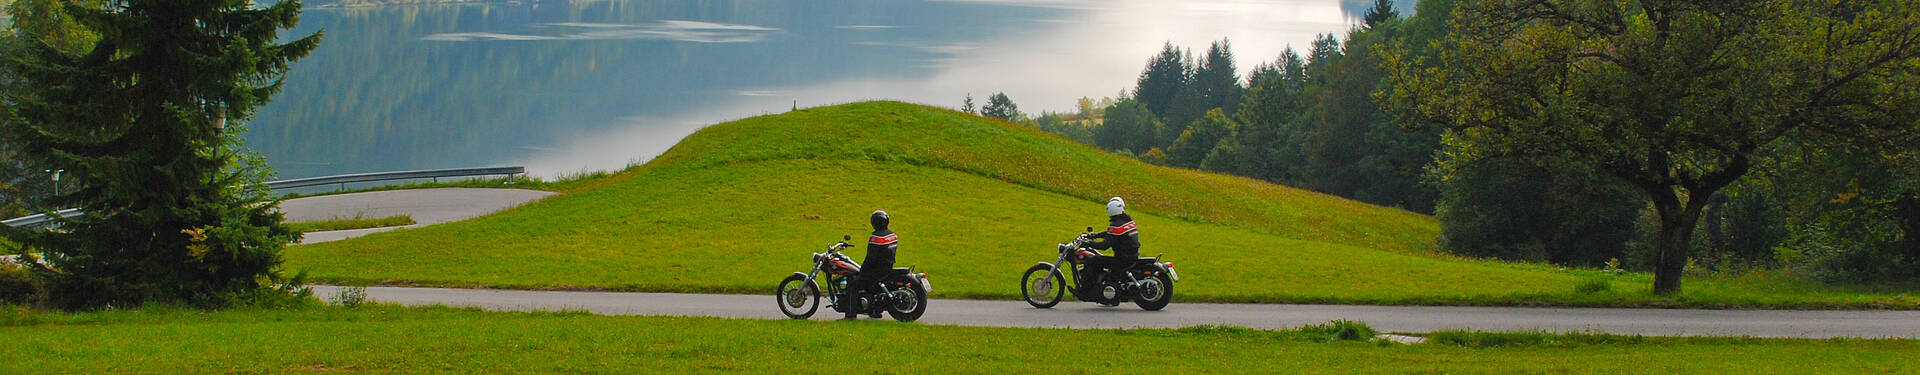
{"x": 1816, "y": 207}
{"x": 1306, "y": 121}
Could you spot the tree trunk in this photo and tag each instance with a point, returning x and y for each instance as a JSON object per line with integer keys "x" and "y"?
{"x": 1675, "y": 239}
{"x": 1909, "y": 214}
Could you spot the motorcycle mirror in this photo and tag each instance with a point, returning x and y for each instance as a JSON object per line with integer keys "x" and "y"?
{"x": 1089, "y": 229}
{"x": 846, "y": 237}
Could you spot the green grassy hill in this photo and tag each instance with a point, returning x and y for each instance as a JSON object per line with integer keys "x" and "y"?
{"x": 739, "y": 205}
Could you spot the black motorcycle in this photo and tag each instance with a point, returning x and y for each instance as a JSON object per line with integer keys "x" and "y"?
{"x": 1147, "y": 281}
{"x": 903, "y": 294}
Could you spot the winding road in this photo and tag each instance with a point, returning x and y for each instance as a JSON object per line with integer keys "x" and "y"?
{"x": 429, "y": 206}
{"x": 426, "y": 206}
{"x": 1402, "y": 319}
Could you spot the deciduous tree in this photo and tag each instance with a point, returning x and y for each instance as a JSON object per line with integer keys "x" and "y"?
{"x": 1673, "y": 97}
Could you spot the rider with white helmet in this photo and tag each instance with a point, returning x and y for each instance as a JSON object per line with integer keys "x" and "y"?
{"x": 1123, "y": 236}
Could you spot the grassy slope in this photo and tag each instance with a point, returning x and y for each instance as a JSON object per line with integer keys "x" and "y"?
{"x": 414, "y": 340}
{"x": 737, "y": 206}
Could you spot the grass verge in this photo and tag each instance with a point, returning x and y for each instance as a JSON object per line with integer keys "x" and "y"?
{"x": 385, "y": 339}
{"x": 355, "y": 222}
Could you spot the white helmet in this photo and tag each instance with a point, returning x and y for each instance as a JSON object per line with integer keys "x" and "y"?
{"x": 1116, "y": 206}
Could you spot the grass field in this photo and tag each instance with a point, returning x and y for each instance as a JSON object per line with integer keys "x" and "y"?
{"x": 737, "y": 206}
{"x": 350, "y": 223}
{"x": 381, "y": 339}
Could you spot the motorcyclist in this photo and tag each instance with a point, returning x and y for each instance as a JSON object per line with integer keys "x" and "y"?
{"x": 879, "y": 261}
{"x": 1123, "y": 236}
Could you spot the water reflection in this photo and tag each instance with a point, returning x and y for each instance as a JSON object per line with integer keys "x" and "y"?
{"x": 565, "y": 87}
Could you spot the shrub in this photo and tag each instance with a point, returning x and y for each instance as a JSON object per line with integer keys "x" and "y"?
{"x": 350, "y": 297}
{"x": 1340, "y": 330}
{"x": 1511, "y": 210}
{"x": 19, "y": 286}
{"x": 1835, "y": 258}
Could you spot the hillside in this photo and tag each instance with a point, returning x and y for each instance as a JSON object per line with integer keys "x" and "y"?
{"x": 739, "y": 205}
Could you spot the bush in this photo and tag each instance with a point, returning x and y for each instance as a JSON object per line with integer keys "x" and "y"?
{"x": 1515, "y": 211}
{"x": 1835, "y": 258}
{"x": 350, "y": 297}
{"x": 1340, "y": 330}
{"x": 19, "y": 286}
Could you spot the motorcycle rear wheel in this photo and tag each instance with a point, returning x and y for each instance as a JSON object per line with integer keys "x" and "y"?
{"x": 910, "y": 309}
{"x": 795, "y": 293}
{"x": 1155, "y": 294}
{"x": 1042, "y": 287}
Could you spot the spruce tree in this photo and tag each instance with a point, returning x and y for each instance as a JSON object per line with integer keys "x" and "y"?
{"x": 146, "y": 121}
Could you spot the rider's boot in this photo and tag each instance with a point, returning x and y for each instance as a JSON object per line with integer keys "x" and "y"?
{"x": 852, "y": 306}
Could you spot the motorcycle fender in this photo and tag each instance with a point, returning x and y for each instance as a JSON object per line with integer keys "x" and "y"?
{"x": 802, "y": 275}
{"x": 1171, "y": 274}
{"x": 1050, "y": 266}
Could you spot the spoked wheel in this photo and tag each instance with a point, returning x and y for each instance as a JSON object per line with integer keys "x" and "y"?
{"x": 1042, "y": 287}
{"x": 798, "y": 298}
{"x": 909, "y": 309}
{"x": 1154, "y": 293}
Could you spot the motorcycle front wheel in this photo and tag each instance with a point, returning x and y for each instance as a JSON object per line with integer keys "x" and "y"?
{"x": 1042, "y": 287}
{"x": 796, "y": 293}
{"x": 910, "y": 309}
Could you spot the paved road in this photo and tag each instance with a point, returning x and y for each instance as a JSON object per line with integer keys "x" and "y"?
{"x": 426, "y": 206}
{"x": 1409, "y": 319}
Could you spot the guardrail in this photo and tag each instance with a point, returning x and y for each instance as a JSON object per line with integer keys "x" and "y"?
{"x": 435, "y": 174}
{"x": 42, "y": 220}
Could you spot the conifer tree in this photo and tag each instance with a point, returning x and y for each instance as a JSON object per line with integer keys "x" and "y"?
{"x": 146, "y": 121}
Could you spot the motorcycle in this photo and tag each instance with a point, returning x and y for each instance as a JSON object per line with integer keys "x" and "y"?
{"x": 1147, "y": 282}
{"x": 903, "y": 293}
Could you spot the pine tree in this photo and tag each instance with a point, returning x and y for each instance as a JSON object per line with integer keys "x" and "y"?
{"x": 1382, "y": 11}
{"x": 1001, "y": 107}
{"x": 147, "y": 123}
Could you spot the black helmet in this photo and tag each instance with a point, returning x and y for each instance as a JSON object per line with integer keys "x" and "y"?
{"x": 880, "y": 220}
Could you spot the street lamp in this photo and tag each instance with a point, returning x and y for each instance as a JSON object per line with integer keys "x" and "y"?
{"x": 56, "y": 180}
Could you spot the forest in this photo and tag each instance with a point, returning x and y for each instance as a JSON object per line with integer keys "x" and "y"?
{"x": 1390, "y": 114}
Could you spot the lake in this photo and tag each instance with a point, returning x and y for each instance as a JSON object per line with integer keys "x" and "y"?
{"x": 570, "y": 86}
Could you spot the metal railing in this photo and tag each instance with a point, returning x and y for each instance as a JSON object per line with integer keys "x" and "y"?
{"x": 42, "y": 220}
{"x": 435, "y": 174}
{"x": 39, "y": 220}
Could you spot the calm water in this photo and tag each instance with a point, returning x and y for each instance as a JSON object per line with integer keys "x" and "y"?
{"x": 564, "y": 87}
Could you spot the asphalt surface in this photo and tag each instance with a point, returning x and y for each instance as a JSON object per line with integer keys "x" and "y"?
{"x": 1070, "y": 314}
{"x": 426, "y": 206}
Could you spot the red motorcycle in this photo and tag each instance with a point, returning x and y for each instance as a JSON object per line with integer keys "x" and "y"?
{"x": 1147, "y": 282}
{"x": 903, "y": 293}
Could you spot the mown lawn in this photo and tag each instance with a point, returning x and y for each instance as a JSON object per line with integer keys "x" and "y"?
{"x": 738, "y": 206}
{"x": 379, "y": 339}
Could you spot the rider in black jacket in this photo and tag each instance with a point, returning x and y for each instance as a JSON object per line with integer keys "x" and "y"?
{"x": 880, "y": 251}
{"x": 1123, "y": 236}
